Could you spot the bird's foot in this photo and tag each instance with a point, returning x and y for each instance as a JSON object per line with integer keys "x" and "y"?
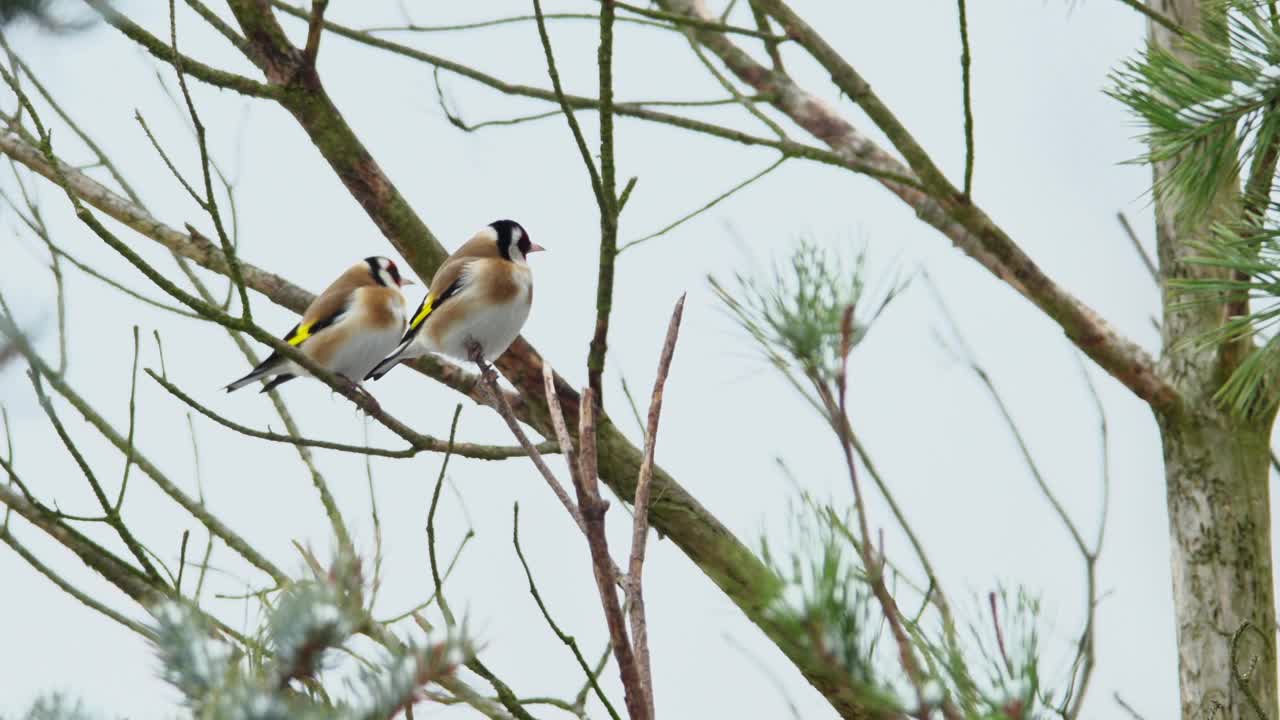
{"x": 358, "y": 389}
{"x": 476, "y": 353}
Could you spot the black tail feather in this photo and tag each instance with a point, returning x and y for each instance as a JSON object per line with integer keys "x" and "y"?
{"x": 382, "y": 368}
{"x": 263, "y": 370}
{"x": 276, "y": 381}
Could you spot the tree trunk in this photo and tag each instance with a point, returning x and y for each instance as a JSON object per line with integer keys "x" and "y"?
{"x": 1216, "y": 470}
{"x": 1220, "y": 529}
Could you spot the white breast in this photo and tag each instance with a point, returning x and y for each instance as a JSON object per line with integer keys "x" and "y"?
{"x": 495, "y": 327}
{"x": 362, "y": 353}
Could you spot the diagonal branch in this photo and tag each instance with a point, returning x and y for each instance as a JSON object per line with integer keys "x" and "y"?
{"x": 6, "y": 536}
{"x": 965, "y": 224}
{"x": 197, "y": 69}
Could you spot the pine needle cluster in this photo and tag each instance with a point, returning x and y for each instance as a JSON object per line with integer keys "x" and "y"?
{"x": 797, "y": 313}
{"x": 1212, "y": 114}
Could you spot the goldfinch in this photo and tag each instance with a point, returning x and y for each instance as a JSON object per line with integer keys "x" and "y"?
{"x": 347, "y": 329}
{"x": 480, "y": 295}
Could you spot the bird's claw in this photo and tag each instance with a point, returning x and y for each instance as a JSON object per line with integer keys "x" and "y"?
{"x": 358, "y": 389}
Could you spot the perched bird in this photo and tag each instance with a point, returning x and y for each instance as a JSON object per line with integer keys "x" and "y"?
{"x": 347, "y": 329}
{"x": 481, "y": 295}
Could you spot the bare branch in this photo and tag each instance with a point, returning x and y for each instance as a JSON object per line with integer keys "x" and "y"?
{"x": 1137, "y": 246}
{"x": 638, "y": 109}
{"x": 491, "y": 384}
{"x": 546, "y": 615}
{"x": 471, "y": 450}
{"x": 6, "y": 535}
{"x": 593, "y": 510}
{"x": 714, "y": 201}
{"x": 640, "y": 525}
{"x": 111, "y": 515}
{"x": 567, "y": 109}
{"x": 607, "y": 199}
{"x": 315, "y": 27}
{"x": 968, "y": 100}
{"x": 965, "y": 224}
{"x": 198, "y": 70}
{"x": 234, "y": 541}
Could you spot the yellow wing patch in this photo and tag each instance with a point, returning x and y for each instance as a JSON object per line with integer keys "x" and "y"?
{"x": 423, "y": 312}
{"x": 302, "y": 332}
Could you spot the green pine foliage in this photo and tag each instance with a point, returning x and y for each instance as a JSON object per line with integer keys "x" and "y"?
{"x": 1218, "y": 114}
{"x": 795, "y": 314}
{"x": 310, "y": 621}
{"x": 291, "y": 669}
{"x": 1211, "y": 113}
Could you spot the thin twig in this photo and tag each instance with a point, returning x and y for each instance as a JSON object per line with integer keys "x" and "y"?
{"x": 995, "y": 621}
{"x": 770, "y": 45}
{"x": 565, "y": 638}
{"x": 133, "y": 394}
{"x": 593, "y": 511}
{"x": 111, "y": 515}
{"x": 1155, "y": 16}
{"x": 1127, "y": 707}
{"x": 874, "y": 566}
{"x": 565, "y": 107}
{"x": 1083, "y": 665}
{"x": 315, "y": 28}
{"x": 412, "y": 27}
{"x": 233, "y": 540}
{"x": 637, "y": 110}
{"x": 700, "y": 24}
{"x": 471, "y": 450}
{"x": 490, "y": 383}
{"x": 714, "y": 201}
{"x": 968, "y": 100}
{"x": 607, "y": 199}
{"x": 732, "y": 89}
{"x": 431, "y": 521}
{"x": 210, "y": 204}
{"x": 157, "y": 47}
{"x": 7, "y": 537}
{"x": 1137, "y": 246}
{"x": 182, "y": 560}
{"x": 640, "y": 525}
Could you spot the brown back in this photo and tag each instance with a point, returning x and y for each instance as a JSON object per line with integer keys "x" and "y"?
{"x": 483, "y": 244}
{"x": 338, "y": 293}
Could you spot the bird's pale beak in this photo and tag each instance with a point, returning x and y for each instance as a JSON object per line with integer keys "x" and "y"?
{"x": 535, "y": 247}
{"x": 406, "y": 282}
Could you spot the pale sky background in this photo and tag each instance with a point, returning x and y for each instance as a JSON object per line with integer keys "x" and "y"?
{"x": 1050, "y": 154}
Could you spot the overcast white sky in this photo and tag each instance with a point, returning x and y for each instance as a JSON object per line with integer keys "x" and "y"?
{"x": 1050, "y": 148}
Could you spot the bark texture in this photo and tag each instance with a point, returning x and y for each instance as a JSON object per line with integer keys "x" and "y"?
{"x": 1216, "y": 471}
